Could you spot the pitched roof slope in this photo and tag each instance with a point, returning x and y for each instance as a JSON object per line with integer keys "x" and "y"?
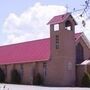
{"x": 78, "y": 35}
{"x": 31, "y": 51}
{"x": 60, "y": 18}
{"x": 82, "y": 35}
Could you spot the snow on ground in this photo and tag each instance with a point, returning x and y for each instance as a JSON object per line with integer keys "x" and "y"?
{"x": 31, "y": 87}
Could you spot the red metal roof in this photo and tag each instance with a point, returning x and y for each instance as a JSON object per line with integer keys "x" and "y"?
{"x": 77, "y": 36}
{"x": 31, "y": 51}
{"x": 60, "y": 18}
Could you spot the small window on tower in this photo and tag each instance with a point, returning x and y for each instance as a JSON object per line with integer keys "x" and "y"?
{"x": 56, "y": 27}
{"x": 68, "y": 25}
{"x": 57, "y": 41}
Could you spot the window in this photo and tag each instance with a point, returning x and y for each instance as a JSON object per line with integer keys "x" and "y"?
{"x": 68, "y": 25}
{"x": 2, "y": 76}
{"x": 56, "y": 27}
{"x": 21, "y": 71}
{"x": 57, "y": 41}
{"x": 79, "y": 53}
{"x": 45, "y": 68}
{"x": 68, "y": 28}
{"x": 15, "y": 77}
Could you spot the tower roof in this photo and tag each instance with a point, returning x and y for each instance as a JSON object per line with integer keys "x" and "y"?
{"x": 60, "y": 18}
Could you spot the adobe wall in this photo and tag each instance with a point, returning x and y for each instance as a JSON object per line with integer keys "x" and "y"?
{"x": 26, "y": 71}
{"x": 61, "y": 67}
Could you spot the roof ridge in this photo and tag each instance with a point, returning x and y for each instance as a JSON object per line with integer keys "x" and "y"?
{"x": 24, "y": 42}
{"x": 60, "y": 18}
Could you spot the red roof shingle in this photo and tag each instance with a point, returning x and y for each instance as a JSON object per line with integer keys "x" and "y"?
{"x": 31, "y": 51}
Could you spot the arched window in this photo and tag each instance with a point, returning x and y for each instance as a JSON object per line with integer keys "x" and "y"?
{"x": 68, "y": 25}
{"x": 2, "y": 76}
{"x": 38, "y": 79}
{"x": 15, "y": 77}
{"x": 79, "y": 54}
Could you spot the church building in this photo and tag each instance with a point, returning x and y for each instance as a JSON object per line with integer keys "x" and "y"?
{"x": 53, "y": 61}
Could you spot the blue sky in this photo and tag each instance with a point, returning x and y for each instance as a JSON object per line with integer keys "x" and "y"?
{"x": 18, "y": 7}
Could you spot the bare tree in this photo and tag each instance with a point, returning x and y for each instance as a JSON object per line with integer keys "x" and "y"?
{"x": 84, "y": 11}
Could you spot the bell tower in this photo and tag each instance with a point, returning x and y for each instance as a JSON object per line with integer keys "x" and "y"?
{"x": 61, "y": 68}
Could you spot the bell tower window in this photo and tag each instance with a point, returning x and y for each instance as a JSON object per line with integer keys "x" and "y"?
{"x": 68, "y": 25}
{"x": 56, "y": 27}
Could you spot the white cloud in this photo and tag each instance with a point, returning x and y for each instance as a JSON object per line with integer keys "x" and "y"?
{"x": 31, "y": 24}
